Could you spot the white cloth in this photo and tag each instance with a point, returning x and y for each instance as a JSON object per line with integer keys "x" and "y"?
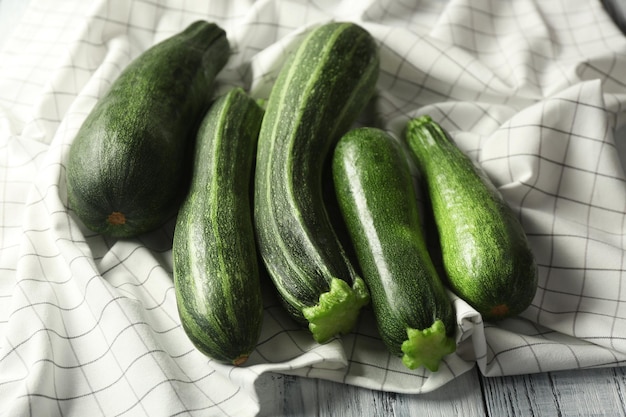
{"x": 532, "y": 90}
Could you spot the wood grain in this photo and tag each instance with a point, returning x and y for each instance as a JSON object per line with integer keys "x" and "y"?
{"x": 584, "y": 393}
{"x": 295, "y": 396}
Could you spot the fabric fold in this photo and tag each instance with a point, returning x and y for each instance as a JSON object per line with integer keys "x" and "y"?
{"x": 533, "y": 92}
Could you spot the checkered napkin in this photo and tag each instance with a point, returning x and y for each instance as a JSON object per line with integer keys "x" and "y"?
{"x": 531, "y": 90}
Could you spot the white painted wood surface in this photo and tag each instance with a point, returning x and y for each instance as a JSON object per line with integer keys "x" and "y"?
{"x": 597, "y": 392}
{"x": 583, "y": 393}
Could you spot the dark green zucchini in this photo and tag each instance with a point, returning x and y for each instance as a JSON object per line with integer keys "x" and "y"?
{"x": 127, "y": 166}
{"x": 318, "y": 95}
{"x": 485, "y": 251}
{"x": 378, "y": 200}
{"x": 216, "y": 271}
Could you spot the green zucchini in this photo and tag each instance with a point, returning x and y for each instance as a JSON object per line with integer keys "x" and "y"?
{"x": 318, "y": 95}
{"x": 378, "y": 201}
{"x": 485, "y": 252}
{"x": 127, "y": 169}
{"x": 216, "y": 271}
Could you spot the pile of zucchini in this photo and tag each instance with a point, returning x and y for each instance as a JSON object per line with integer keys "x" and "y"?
{"x": 246, "y": 183}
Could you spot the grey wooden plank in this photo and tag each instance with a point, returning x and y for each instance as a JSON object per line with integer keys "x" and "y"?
{"x": 597, "y": 392}
{"x": 524, "y": 395}
{"x": 296, "y": 396}
{"x": 591, "y": 392}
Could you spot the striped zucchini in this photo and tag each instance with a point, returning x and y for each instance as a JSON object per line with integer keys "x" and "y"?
{"x": 127, "y": 166}
{"x": 216, "y": 270}
{"x": 486, "y": 255}
{"x": 377, "y": 198}
{"x": 317, "y": 96}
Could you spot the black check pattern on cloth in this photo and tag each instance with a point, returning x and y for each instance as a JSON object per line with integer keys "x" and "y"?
{"x": 531, "y": 91}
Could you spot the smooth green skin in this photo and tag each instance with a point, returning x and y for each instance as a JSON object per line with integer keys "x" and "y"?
{"x": 129, "y": 156}
{"x": 378, "y": 201}
{"x": 318, "y": 94}
{"x": 485, "y": 252}
{"x": 216, "y": 271}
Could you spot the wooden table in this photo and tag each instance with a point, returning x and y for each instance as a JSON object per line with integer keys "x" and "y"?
{"x": 591, "y": 392}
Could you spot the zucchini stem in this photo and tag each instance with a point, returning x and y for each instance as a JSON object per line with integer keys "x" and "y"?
{"x": 427, "y": 347}
{"x": 337, "y": 310}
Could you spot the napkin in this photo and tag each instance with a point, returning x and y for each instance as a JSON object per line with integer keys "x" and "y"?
{"x": 533, "y": 91}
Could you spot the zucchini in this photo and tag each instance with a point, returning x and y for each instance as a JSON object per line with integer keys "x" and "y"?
{"x": 378, "y": 201}
{"x": 485, "y": 252}
{"x": 216, "y": 270}
{"x": 127, "y": 166}
{"x": 318, "y": 95}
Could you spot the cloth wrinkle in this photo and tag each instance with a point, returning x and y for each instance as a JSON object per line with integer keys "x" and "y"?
{"x": 533, "y": 92}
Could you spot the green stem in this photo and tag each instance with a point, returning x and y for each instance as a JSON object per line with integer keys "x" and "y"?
{"x": 427, "y": 347}
{"x": 337, "y": 310}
